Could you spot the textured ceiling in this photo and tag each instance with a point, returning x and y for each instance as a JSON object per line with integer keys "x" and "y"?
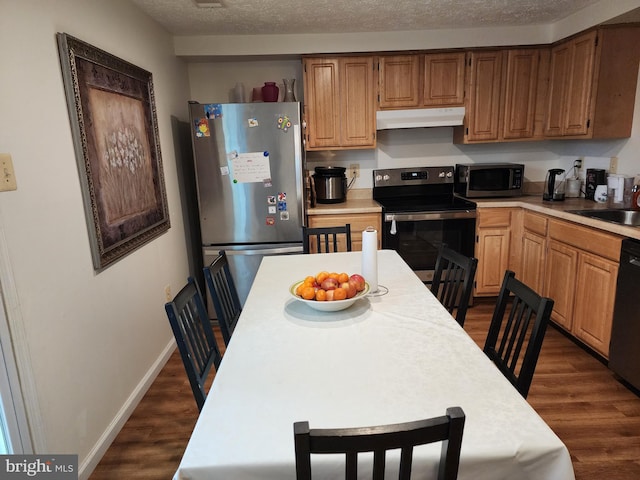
{"x": 245, "y": 17}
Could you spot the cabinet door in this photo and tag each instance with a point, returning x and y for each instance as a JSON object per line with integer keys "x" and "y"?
{"x": 520, "y": 93}
{"x": 358, "y": 124}
{"x": 485, "y": 83}
{"x": 533, "y": 260}
{"x": 443, "y": 79}
{"x": 558, "y": 79}
{"x": 493, "y": 259}
{"x": 560, "y": 276}
{"x": 594, "y": 301}
{"x": 570, "y": 86}
{"x": 580, "y": 85}
{"x": 399, "y": 81}
{"x": 321, "y": 105}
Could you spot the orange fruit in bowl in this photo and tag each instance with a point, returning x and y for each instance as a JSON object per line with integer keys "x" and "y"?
{"x": 321, "y": 295}
{"x": 299, "y": 289}
{"x": 321, "y": 277}
{"x": 343, "y": 277}
{"x": 334, "y": 275}
{"x": 308, "y": 293}
{"x": 339, "y": 294}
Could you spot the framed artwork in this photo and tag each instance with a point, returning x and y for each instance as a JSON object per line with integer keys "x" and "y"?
{"x": 115, "y": 135}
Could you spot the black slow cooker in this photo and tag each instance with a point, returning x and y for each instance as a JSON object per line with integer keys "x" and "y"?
{"x": 330, "y": 184}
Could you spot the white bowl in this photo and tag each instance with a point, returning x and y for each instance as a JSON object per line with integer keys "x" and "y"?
{"x": 333, "y": 306}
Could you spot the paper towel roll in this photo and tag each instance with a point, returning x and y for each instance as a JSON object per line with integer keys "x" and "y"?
{"x": 370, "y": 258}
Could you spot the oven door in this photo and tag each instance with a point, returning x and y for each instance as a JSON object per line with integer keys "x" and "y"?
{"x": 417, "y": 237}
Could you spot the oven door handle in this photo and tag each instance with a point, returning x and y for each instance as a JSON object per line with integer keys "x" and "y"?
{"x": 417, "y": 217}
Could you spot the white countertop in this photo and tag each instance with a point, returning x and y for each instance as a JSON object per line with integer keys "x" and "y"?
{"x": 387, "y": 359}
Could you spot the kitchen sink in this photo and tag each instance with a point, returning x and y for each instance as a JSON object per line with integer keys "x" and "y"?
{"x": 621, "y": 217}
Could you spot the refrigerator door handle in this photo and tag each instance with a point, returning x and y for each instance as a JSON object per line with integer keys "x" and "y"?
{"x": 258, "y": 251}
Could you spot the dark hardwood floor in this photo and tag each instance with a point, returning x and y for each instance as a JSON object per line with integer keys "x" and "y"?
{"x": 596, "y": 416}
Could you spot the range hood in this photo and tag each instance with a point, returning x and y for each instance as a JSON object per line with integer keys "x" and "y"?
{"x": 419, "y": 118}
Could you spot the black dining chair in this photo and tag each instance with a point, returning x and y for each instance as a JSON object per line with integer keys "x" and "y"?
{"x": 327, "y": 237}
{"x": 517, "y": 330}
{"x": 453, "y": 281}
{"x": 195, "y": 338}
{"x": 447, "y": 429}
{"x": 224, "y": 295}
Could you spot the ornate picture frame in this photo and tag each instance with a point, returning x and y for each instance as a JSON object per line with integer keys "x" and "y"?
{"x": 115, "y": 134}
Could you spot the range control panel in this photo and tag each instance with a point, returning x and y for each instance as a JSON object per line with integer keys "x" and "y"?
{"x": 412, "y": 176}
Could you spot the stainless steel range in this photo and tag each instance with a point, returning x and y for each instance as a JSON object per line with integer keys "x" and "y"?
{"x": 420, "y": 212}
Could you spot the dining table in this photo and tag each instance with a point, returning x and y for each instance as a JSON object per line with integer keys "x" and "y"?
{"x": 395, "y": 355}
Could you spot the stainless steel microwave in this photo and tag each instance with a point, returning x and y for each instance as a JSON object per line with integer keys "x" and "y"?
{"x": 477, "y": 180}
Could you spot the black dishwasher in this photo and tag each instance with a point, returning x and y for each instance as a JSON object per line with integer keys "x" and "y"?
{"x": 624, "y": 350}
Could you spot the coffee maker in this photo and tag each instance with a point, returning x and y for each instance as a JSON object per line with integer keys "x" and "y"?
{"x": 595, "y": 177}
{"x": 554, "y": 185}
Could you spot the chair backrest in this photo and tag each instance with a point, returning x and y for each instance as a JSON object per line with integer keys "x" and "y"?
{"x": 518, "y": 326}
{"x": 224, "y": 294}
{"x": 326, "y": 238}
{"x": 453, "y": 281}
{"x": 404, "y": 436}
{"x": 196, "y": 342}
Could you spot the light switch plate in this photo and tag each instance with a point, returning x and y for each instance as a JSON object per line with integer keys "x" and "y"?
{"x": 7, "y": 175}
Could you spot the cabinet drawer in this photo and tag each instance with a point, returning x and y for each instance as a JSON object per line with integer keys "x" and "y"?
{"x": 535, "y": 223}
{"x": 494, "y": 217}
{"x": 606, "y": 245}
{"x": 359, "y": 222}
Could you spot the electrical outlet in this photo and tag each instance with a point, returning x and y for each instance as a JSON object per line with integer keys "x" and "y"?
{"x": 577, "y": 164}
{"x": 167, "y": 293}
{"x": 354, "y": 170}
{"x": 7, "y": 175}
{"x": 613, "y": 165}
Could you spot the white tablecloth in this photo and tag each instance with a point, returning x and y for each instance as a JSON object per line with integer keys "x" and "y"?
{"x": 387, "y": 359}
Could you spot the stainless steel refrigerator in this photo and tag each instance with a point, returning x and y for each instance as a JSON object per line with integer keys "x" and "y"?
{"x": 249, "y": 174}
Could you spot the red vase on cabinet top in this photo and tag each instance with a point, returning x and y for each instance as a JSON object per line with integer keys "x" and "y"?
{"x": 270, "y": 92}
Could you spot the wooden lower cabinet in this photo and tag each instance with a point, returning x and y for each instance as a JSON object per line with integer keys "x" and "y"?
{"x": 534, "y": 249}
{"x": 560, "y": 280}
{"x": 576, "y": 266}
{"x": 581, "y": 272}
{"x": 493, "y": 248}
{"x": 358, "y": 221}
{"x": 594, "y": 301}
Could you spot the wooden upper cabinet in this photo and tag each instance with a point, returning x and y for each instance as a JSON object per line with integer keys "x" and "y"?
{"x": 399, "y": 81}
{"x": 443, "y": 79}
{"x": 339, "y": 107}
{"x": 579, "y": 85}
{"x": 571, "y": 77}
{"x": 484, "y": 85}
{"x": 357, "y": 110}
{"x": 592, "y": 84}
{"x": 560, "y": 63}
{"x": 520, "y": 93}
{"x": 322, "y": 102}
{"x": 503, "y": 98}
{"x": 421, "y": 80}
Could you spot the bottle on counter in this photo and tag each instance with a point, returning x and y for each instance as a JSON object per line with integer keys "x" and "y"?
{"x": 635, "y": 202}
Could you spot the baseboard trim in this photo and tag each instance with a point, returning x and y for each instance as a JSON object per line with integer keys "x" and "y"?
{"x": 106, "y": 439}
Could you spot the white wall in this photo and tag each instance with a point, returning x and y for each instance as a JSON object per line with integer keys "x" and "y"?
{"x": 86, "y": 343}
